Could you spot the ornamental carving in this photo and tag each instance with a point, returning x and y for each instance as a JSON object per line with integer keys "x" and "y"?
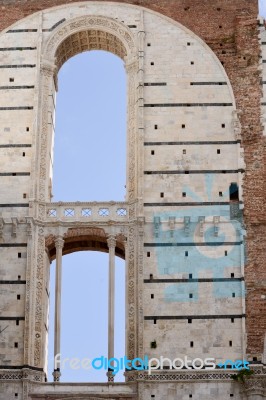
{"x": 91, "y": 23}
{"x": 76, "y": 232}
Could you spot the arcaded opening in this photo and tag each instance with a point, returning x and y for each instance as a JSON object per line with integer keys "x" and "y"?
{"x": 84, "y": 315}
{"x": 89, "y": 40}
{"x": 88, "y": 148}
{"x": 79, "y": 132}
{"x": 85, "y": 239}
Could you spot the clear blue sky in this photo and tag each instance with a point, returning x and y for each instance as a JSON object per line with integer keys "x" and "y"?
{"x": 89, "y": 165}
{"x": 262, "y": 6}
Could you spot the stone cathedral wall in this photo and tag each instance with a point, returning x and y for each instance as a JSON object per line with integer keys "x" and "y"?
{"x": 231, "y": 29}
{"x": 202, "y": 126}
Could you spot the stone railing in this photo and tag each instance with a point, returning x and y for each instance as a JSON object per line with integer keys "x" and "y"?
{"x": 86, "y": 212}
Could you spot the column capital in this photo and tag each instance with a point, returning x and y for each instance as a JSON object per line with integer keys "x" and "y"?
{"x": 125, "y": 243}
{"x": 132, "y": 66}
{"x": 59, "y": 242}
{"x": 111, "y": 241}
{"x": 48, "y": 68}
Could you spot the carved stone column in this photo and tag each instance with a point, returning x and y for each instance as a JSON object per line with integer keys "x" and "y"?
{"x": 111, "y": 301}
{"x": 29, "y": 309}
{"x": 126, "y": 288}
{"x": 140, "y": 316}
{"x": 59, "y": 244}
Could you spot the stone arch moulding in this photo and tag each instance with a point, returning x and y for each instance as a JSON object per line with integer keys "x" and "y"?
{"x": 48, "y": 75}
{"x": 78, "y": 239}
{"x": 86, "y": 23}
{"x": 41, "y": 172}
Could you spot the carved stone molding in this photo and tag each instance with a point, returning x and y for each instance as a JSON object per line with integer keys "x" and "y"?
{"x": 140, "y": 287}
{"x": 255, "y": 383}
{"x": 74, "y": 232}
{"x": 177, "y": 376}
{"x": 73, "y": 397}
{"x": 30, "y": 296}
{"x": 39, "y": 289}
{"x": 95, "y": 23}
{"x": 24, "y": 374}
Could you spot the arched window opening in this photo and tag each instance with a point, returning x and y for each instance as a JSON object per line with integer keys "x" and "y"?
{"x": 89, "y": 165}
{"x": 84, "y": 316}
{"x": 90, "y": 139}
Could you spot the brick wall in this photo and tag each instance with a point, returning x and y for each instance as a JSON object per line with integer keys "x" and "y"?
{"x": 230, "y": 28}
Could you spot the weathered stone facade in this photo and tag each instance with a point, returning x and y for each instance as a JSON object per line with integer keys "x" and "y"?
{"x": 196, "y": 126}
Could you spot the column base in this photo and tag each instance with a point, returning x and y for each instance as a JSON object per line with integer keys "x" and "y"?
{"x": 110, "y": 376}
{"x": 56, "y": 375}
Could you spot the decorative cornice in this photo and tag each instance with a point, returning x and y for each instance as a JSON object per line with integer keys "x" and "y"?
{"x": 192, "y": 375}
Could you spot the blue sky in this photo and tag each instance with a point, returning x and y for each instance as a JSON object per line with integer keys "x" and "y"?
{"x": 262, "y": 6}
{"x": 90, "y": 165}
{"x": 91, "y": 129}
